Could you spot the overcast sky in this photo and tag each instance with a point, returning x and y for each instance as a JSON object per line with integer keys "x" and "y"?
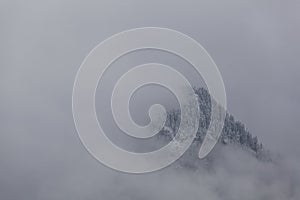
{"x": 254, "y": 43}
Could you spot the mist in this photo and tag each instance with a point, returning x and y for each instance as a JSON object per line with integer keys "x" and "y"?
{"x": 254, "y": 43}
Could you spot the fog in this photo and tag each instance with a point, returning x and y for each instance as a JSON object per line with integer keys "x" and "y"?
{"x": 254, "y": 44}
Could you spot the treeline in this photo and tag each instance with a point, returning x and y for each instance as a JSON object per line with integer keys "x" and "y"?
{"x": 233, "y": 131}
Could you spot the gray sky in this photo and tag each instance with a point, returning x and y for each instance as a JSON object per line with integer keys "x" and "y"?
{"x": 254, "y": 43}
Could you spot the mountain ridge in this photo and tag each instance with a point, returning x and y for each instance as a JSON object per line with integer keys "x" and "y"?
{"x": 233, "y": 132}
